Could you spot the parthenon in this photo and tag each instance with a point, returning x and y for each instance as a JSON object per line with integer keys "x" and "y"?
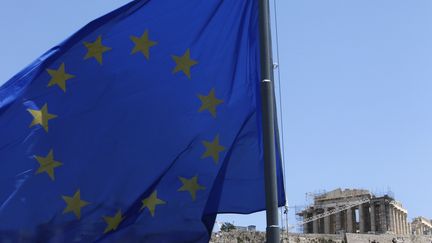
{"x": 354, "y": 211}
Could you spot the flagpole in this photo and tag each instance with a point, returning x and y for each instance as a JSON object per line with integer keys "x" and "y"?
{"x": 268, "y": 119}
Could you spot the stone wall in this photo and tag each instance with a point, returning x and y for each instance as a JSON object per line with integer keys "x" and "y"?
{"x": 258, "y": 237}
{"x": 387, "y": 238}
{"x": 255, "y": 237}
{"x": 312, "y": 238}
{"x": 237, "y": 237}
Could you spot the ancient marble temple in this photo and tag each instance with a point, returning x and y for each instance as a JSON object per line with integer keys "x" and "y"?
{"x": 354, "y": 211}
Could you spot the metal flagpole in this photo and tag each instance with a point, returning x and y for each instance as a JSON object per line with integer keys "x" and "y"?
{"x": 268, "y": 119}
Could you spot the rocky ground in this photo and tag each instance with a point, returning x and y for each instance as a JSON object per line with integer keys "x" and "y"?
{"x": 244, "y": 236}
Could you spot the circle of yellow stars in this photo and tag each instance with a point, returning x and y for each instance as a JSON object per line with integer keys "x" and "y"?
{"x": 60, "y": 77}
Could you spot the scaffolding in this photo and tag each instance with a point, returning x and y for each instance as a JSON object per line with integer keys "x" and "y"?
{"x": 339, "y": 206}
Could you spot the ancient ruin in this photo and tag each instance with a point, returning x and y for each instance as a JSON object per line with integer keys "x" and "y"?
{"x": 344, "y": 216}
{"x": 354, "y": 211}
{"x": 421, "y": 226}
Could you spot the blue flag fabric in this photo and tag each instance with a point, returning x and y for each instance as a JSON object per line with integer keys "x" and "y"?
{"x": 141, "y": 127}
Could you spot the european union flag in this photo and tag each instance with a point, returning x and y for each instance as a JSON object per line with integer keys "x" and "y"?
{"x": 141, "y": 127}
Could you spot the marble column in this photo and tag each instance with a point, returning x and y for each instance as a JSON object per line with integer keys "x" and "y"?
{"x": 391, "y": 218}
{"x": 395, "y": 220}
{"x": 326, "y": 222}
{"x": 383, "y": 218}
{"x": 338, "y": 222}
{"x": 362, "y": 225}
{"x": 406, "y": 224}
{"x": 349, "y": 220}
{"x": 305, "y": 226}
{"x": 402, "y": 222}
{"x": 400, "y": 232}
{"x": 372, "y": 217}
{"x": 315, "y": 224}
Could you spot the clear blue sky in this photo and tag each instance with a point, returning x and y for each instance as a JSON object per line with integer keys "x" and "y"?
{"x": 356, "y": 88}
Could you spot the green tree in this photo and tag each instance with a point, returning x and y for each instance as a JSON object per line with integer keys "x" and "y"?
{"x": 227, "y": 227}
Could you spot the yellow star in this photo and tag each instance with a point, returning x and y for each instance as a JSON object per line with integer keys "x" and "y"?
{"x": 59, "y": 77}
{"x": 209, "y": 102}
{"x": 143, "y": 44}
{"x": 96, "y": 49}
{"x": 191, "y": 185}
{"x": 213, "y": 149}
{"x": 74, "y": 204}
{"x": 151, "y": 202}
{"x": 41, "y": 117}
{"x": 113, "y": 222}
{"x": 184, "y": 63}
{"x": 47, "y": 164}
